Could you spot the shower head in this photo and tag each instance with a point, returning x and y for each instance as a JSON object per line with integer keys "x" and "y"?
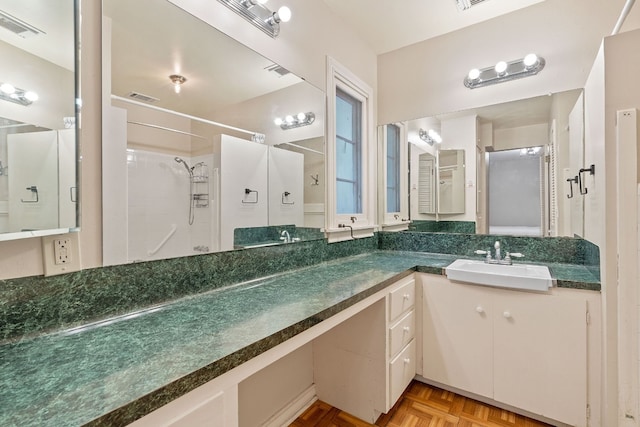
{"x": 186, "y": 166}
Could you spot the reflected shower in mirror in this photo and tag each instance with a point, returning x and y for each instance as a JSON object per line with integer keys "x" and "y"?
{"x": 200, "y": 135}
{"x": 38, "y": 179}
{"x": 545, "y": 132}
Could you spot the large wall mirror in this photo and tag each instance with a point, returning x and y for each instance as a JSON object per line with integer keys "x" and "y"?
{"x": 38, "y": 92}
{"x": 520, "y": 160}
{"x": 208, "y": 146}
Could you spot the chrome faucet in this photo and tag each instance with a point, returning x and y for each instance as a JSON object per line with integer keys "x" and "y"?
{"x": 285, "y": 237}
{"x": 498, "y": 259}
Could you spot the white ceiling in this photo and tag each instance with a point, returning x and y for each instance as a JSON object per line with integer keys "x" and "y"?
{"x": 391, "y": 24}
{"x": 54, "y": 18}
{"x": 148, "y": 47}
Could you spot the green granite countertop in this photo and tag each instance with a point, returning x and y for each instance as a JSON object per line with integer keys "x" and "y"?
{"x": 114, "y": 371}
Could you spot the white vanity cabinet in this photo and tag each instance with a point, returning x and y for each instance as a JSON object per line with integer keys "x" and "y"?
{"x": 363, "y": 365}
{"x": 526, "y": 350}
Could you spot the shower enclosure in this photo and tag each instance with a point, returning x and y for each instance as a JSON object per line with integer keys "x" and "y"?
{"x": 169, "y": 209}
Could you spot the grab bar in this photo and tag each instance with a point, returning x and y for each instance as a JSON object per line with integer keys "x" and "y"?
{"x": 161, "y": 244}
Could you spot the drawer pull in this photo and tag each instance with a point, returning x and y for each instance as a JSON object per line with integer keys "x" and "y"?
{"x": 506, "y": 315}
{"x": 406, "y": 329}
{"x": 406, "y": 296}
{"x": 479, "y": 309}
{"x": 407, "y": 361}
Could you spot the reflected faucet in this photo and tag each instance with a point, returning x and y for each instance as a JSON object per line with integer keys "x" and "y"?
{"x": 285, "y": 237}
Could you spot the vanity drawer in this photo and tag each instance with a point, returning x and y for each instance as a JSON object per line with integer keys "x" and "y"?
{"x": 401, "y": 299}
{"x": 401, "y": 333}
{"x": 402, "y": 369}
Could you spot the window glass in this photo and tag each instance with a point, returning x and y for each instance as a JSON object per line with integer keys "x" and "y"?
{"x": 393, "y": 168}
{"x": 348, "y": 154}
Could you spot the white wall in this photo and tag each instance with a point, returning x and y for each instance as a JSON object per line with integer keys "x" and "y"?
{"x": 425, "y": 79}
{"x": 461, "y": 134}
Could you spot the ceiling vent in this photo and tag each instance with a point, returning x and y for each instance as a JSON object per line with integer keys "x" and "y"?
{"x": 17, "y": 26}
{"x": 467, "y": 4}
{"x": 279, "y": 70}
{"x": 142, "y": 97}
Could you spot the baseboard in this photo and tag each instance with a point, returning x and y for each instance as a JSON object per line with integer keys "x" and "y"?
{"x": 294, "y": 409}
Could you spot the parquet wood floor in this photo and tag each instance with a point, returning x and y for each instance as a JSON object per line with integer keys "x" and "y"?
{"x": 421, "y": 405}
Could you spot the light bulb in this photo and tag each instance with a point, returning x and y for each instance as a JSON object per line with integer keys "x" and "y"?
{"x": 284, "y": 14}
{"x": 262, "y": 1}
{"x": 176, "y": 87}
{"x": 31, "y": 96}
{"x": 278, "y": 121}
{"x": 288, "y": 119}
{"x": 501, "y": 67}
{"x": 530, "y": 60}
{"x": 474, "y": 74}
{"x": 301, "y": 117}
{"x": 7, "y": 88}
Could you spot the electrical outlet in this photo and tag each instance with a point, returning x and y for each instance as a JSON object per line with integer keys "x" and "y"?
{"x": 61, "y": 254}
{"x": 61, "y": 251}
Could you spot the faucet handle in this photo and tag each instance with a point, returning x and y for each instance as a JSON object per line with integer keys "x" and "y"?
{"x": 516, "y": 255}
{"x": 480, "y": 252}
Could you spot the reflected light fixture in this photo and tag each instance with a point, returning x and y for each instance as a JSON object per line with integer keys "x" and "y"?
{"x": 291, "y": 122}
{"x": 177, "y": 81}
{"x": 10, "y": 93}
{"x": 430, "y": 136}
{"x": 259, "y": 15}
{"x": 503, "y": 71}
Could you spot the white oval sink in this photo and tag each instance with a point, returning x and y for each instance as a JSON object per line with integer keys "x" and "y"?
{"x": 516, "y": 276}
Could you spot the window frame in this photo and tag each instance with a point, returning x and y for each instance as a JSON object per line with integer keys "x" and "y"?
{"x": 394, "y": 221}
{"x": 355, "y": 225}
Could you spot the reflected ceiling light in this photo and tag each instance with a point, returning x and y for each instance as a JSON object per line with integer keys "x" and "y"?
{"x": 291, "y": 122}
{"x": 504, "y": 71}
{"x": 10, "y": 93}
{"x": 177, "y": 81}
{"x": 430, "y": 136}
{"x": 259, "y": 15}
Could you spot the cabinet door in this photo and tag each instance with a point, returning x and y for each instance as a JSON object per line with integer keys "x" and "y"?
{"x": 540, "y": 347}
{"x": 457, "y": 329}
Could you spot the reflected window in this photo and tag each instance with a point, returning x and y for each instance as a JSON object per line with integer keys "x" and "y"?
{"x": 393, "y": 168}
{"x": 348, "y": 153}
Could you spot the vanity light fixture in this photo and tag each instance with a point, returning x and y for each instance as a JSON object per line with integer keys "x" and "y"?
{"x": 430, "y": 136}
{"x": 259, "y": 15}
{"x": 177, "y": 81}
{"x": 291, "y": 122}
{"x": 504, "y": 71}
{"x": 10, "y": 93}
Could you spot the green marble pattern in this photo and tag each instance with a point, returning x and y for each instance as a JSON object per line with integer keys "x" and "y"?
{"x": 252, "y": 236}
{"x": 565, "y": 250}
{"x": 74, "y": 376}
{"x": 37, "y": 304}
{"x": 467, "y": 227}
{"x": 147, "y": 333}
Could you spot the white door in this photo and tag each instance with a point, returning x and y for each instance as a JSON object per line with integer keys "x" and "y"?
{"x": 243, "y": 186}
{"x": 576, "y": 159}
{"x": 458, "y": 335}
{"x": 286, "y": 187}
{"x": 33, "y": 181}
{"x": 540, "y": 347}
{"x": 67, "y": 186}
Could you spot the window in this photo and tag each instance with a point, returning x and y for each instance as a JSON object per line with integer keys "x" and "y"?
{"x": 351, "y": 156}
{"x": 348, "y": 154}
{"x": 393, "y": 169}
